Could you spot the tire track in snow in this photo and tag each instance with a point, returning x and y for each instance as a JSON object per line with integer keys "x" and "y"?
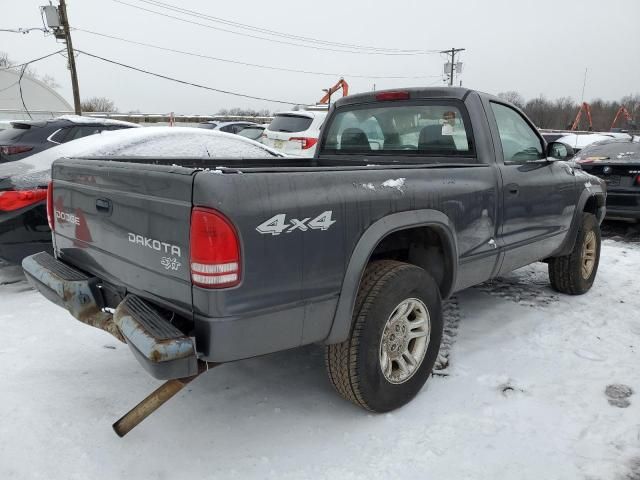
{"x": 528, "y": 286}
{"x": 451, "y": 318}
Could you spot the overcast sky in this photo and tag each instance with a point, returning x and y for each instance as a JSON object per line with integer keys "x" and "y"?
{"x": 533, "y": 47}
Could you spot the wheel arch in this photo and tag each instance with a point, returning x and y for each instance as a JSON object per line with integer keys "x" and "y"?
{"x": 371, "y": 239}
{"x": 591, "y": 202}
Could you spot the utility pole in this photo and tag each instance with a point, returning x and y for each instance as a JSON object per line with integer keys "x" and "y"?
{"x": 452, "y": 67}
{"x": 64, "y": 32}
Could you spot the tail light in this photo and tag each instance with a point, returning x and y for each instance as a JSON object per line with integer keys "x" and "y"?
{"x": 638, "y": 180}
{"x": 50, "y": 213}
{"x": 305, "y": 142}
{"x": 13, "y": 149}
{"x": 14, "y": 200}
{"x": 215, "y": 250}
{"x": 396, "y": 95}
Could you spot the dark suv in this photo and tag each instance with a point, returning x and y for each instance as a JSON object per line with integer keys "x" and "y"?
{"x": 25, "y": 138}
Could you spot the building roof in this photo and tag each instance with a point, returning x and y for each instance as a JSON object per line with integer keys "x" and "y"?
{"x": 41, "y": 100}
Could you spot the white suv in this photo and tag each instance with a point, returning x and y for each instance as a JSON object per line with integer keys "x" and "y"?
{"x": 296, "y": 132}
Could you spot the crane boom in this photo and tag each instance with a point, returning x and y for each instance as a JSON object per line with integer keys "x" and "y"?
{"x": 586, "y": 108}
{"x": 341, "y": 84}
{"x": 621, "y": 111}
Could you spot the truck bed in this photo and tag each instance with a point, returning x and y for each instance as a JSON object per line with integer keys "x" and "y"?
{"x": 133, "y": 245}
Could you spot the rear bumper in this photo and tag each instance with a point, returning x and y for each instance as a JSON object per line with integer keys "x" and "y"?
{"x": 163, "y": 350}
{"x": 623, "y": 213}
{"x": 621, "y": 204}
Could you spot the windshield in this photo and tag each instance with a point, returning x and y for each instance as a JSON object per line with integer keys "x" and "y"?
{"x": 289, "y": 123}
{"x": 407, "y": 129}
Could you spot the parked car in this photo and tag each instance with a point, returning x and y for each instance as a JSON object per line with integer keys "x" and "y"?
{"x": 295, "y": 133}
{"x": 579, "y": 141}
{"x": 253, "y": 132}
{"x": 552, "y": 136}
{"x": 26, "y": 138}
{"x": 617, "y": 162}
{"x": 227, "y": 127}
{"x": 23, "y": 218}
{"x": 355, "y": 250}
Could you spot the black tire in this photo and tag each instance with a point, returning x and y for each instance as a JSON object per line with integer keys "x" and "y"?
{"x": 566, "y": 273}
{"x": 354, "y": 365}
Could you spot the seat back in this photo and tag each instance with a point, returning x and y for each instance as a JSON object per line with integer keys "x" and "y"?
{"x": 354, "y": 139}
{"x": 432, "y": 139}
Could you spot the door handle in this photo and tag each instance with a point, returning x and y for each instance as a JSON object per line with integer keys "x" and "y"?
{"x": 513, "y": 188}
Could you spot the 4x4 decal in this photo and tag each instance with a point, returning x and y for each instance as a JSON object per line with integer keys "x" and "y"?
{"x": 278, "y": 224}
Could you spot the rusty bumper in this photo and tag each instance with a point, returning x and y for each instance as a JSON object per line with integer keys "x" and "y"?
{"x": 70, "y": 289}
{"x": 163, "y": 350}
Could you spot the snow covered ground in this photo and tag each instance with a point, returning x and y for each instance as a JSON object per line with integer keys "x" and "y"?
{"x": 523, "y": 397}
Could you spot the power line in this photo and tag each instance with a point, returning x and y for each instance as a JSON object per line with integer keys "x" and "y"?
{"x": 245, "y": 26}
{"x": 237, "y": 62}
{"x": 268, "y": 39}
{"x": 23, "y": 30}
{"x": 24, "y": 68}
{"x": 184, "y": 82}
{"x": 32, "y": 61}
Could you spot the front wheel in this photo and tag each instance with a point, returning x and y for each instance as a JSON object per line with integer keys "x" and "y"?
{"x": 394, "y": 340}
{"x": 575, "y": 273}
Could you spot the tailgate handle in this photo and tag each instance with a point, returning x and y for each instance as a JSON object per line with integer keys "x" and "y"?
{"x": 103, "y": 205}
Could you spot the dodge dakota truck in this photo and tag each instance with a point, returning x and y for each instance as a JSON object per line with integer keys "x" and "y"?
{"x": 412, "y": 195}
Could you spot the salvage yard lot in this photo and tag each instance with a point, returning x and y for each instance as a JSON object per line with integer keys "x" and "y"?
{"x": 523, "y": 397}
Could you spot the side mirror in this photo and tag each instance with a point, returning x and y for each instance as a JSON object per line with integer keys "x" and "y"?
{"x": 559, "y": 151}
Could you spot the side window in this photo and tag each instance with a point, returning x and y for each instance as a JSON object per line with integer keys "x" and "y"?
{"x": 228, "y": 129}
{"x": 59, "y": 136}
{"x": 83, "y": 131}
{"x": 519, "y": 141}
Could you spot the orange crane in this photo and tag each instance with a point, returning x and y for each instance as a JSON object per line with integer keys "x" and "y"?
{"x": 342, "y": 84}
{"x": 586, "y": 108}
{"x": 622, "y": 111}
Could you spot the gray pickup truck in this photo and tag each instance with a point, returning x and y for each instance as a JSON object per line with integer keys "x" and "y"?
{"x": 412, "y": 195}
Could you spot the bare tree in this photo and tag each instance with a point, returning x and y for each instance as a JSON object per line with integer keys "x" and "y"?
{"x": 512, "y": 97}
{"x": 50, "y": 81}
{"x": 244, "y": 112}
{"x": 98, "y": 104}
{"x": 539, "y": 111}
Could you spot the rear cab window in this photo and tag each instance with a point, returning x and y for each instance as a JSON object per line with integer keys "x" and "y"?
{"x": 290, "y": 123}
{"x": 414, "y": 128}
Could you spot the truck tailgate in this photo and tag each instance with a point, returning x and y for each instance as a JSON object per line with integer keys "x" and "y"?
{"x": 127, "y": 224}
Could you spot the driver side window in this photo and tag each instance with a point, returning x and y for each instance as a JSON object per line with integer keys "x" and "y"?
{"x": 520, "y": 143}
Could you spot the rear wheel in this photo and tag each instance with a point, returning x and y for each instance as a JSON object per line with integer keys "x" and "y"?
{"x": 575, "y": 273}
{"x": 394, "y": 340}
